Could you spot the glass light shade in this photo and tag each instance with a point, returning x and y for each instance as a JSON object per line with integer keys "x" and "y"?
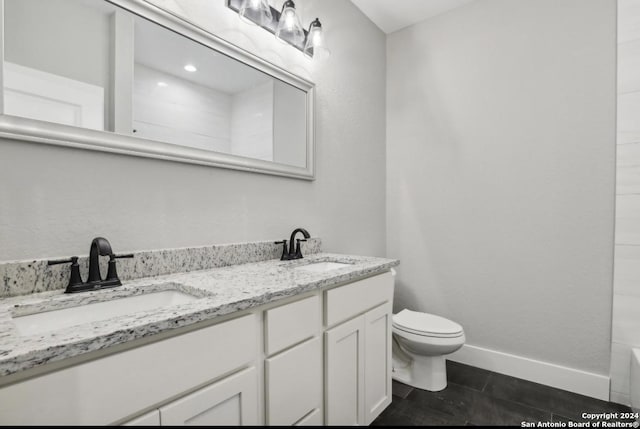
{"x": 289, "y": 28}
{"x": 315, "y": 45}
{"x": 256, "y": 12}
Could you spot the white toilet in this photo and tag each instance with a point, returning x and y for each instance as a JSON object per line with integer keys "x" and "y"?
{"x": 420, "y": 341}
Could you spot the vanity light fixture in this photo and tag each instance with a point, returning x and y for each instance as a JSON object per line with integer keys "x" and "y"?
{"x": 285, "y": 24}
{"x": 315, "y": 45}
{"x": 289, "y": 29}
{"x": 190, "y": 68}
{"x": 256, "y": 12}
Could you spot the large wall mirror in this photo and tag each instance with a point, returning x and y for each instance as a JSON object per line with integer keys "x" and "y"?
{"x": 125, "y": 76}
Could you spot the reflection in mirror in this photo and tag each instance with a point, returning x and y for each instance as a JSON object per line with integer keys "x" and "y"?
{"x": 56, "y": 61}
{"x": 187, "y": 94}
{"x": 91, "y": 64}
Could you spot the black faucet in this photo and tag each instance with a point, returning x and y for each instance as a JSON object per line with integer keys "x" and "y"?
{"x": 99, "y": 247}
{"x": 291, "y": 253}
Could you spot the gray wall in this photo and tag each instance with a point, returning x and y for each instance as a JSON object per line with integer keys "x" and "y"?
{"x": 54, "y": 200}
{"x": 500, "y": 165}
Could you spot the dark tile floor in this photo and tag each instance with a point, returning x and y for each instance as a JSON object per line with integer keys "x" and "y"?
{"x": 476, "y": 397}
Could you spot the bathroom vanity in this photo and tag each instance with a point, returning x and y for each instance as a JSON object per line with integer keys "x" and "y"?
{"x": 304, "y": 342}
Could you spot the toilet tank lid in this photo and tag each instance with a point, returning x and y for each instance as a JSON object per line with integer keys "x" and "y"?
{"x": 426, "y": 323}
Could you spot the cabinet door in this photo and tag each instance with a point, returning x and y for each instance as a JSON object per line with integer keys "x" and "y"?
{"x": 377, "y": 365}
{"x": 344, "y": 366}
{"x": 150, "y": 419}
{"x": 294, "y": 383}
{"x": 233, "y": 401}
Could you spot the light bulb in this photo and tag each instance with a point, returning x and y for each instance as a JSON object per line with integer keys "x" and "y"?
{"x": 289, "y": 19}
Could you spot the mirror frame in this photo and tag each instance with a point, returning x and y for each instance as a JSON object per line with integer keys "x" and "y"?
{"x": 18, "y": 128}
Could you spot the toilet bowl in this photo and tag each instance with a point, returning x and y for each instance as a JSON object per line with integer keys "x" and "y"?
{"x": 420, "y": 342}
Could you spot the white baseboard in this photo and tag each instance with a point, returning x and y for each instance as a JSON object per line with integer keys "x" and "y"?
{"x": 561, "y": 377}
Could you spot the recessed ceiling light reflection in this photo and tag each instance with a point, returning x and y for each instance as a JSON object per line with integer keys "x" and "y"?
{"x": 163, "y": 84}
{"x": 190, "y": 68}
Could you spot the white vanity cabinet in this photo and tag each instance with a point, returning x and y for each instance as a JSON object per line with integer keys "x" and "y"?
{"x": 358, "y": 351}
{"x": 319, "y": 358}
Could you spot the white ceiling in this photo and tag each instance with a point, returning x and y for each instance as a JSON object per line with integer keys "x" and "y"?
{"x": 169, "y": 52}
{"x": 163, "y": 50}
{"x": 392, "y": 15}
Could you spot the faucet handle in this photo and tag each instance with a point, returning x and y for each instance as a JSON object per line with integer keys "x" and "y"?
{"x": 285, "y": 252}
{"x": 298, "y": 252}
{"x": 128, "y": 255}
{"x": 72, "y": 260}
{"x": 112, "y": 272}
{"x": 75, "y": 278}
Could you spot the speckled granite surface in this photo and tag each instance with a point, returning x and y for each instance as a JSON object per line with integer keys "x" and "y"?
{"x": 220, "y": 291}
{"x": 26, "y": 277}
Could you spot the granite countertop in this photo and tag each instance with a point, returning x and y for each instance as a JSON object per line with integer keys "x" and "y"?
{"x": 220, "y": 291}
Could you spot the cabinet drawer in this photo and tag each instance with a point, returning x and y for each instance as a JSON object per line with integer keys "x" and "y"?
{"x": 345, "y": 302}
{"x": 294, "y": 383}
{"x": 141, "y": 377}
{"x": 292, "y": 323}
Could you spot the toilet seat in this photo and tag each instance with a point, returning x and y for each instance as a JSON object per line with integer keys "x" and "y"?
{"x": 426, "y": 325}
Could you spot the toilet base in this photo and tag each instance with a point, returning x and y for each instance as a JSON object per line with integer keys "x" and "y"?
{"x": 423, "y": 372}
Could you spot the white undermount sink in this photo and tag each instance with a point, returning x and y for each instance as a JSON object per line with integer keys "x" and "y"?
{"x": 321, "y": 267}
{"x": 47, "y": 321}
